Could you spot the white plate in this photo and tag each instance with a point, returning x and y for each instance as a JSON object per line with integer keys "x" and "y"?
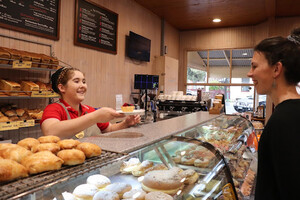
{"x": 134, "y": 112}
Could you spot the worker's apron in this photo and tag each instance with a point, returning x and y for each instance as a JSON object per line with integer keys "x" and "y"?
{"x": 91, "y": 131}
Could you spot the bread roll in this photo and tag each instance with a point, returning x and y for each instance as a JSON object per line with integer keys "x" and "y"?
{"x": 68, "y": 144}
{"x": 20, "y": 112}
{"x": 98, "y": 180}
{"x": 49, "y": 139}
{"x": 4, "y": 119}
{"x": 10, "y": 170}
{"x": 42, "y": 161}
{"x": 28, "y": 143}
{"x": 10, "y": 113}
{"x": 167, "y": 181}
{"x": 16, "y": 153}
{"x": 158, "y": 196}
{"x": 89, "y": 149}
{"x": 29, "y": 86}
{"x": 7, "y": 145}
{"x": 106, "y": 195}
{"x": 137, "y": 194}
{"x": 53, "y": 147}
{"x": 71, "y": 156}
{"x": 119, "y": 188}
{"x": 85, "y": 191}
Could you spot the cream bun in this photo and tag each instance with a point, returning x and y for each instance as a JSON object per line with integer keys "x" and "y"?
{"x": 119, "y": 188}
{"x": 85, "y": 191}
{"x": 98, "y": 180}
{"x": 106, "y": 195}
{"x": 137, "y": 194}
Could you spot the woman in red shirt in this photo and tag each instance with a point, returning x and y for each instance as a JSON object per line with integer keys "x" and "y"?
{"x": 69, "y": 118}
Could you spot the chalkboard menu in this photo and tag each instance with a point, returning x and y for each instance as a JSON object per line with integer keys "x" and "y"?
{"x": 37, "y": 17}
{"x": 95, "y": 27}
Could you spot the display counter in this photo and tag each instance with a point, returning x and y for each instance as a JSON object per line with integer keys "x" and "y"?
{"x": 210, "y": 147}
{"x": 128, "y": 140}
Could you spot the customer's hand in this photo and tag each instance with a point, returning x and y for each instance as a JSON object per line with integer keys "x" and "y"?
{"x": 132, "y": 120}
{"x": 106, "y": 114}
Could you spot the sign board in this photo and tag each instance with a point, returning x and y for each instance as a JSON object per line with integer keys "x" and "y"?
{"x": 36, "y": 17}
{"x": 95, "y": 27}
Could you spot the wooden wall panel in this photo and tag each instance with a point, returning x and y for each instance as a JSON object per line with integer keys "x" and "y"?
{"x": 106, "y": 74}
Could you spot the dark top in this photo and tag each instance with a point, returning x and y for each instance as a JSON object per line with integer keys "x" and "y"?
{"x": 278, "y": 173}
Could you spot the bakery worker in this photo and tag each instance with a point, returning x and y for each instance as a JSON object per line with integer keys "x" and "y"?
{"x": 275, "y": 71}
{"x": 69, "y": 118}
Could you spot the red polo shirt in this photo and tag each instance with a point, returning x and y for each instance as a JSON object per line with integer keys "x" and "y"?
{"x": 58, "y": 112}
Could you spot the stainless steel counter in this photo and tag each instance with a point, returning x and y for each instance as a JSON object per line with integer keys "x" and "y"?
{"x": 130, "y": 139}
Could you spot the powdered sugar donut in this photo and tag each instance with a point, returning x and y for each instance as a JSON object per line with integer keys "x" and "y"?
{"x": 98, "y": 180}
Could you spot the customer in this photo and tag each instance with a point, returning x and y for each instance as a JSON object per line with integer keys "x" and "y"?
{"x": 69, "y": 118}
{"x": 275, "y": 71}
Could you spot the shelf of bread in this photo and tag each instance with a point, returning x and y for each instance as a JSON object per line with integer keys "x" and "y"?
{"x": 26, "y": 89}
{"x": 12, "y": 118}
{"x": 23, "y": 59}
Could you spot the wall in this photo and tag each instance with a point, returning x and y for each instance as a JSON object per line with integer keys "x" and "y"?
{"x": 106, "y": 74}
{"x": 233, "y": 37}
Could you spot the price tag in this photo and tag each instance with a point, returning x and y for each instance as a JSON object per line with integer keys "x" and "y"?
{"x": 4, "y": 126}
{"x": 26, "y": 123}
{"x": 39, "y": 94}
{"x": 21, "y": 64}
{"x": 52, "y": 94}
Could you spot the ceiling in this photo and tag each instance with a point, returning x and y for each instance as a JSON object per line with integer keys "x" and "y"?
{"x": 198, "y": 14}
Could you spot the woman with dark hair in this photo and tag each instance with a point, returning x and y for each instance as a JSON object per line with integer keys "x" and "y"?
{"x": 69, "y": 118}
{"x": 275, "y": 71}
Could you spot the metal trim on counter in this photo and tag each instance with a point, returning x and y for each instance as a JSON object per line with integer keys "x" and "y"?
{"x": 42, "y": 181}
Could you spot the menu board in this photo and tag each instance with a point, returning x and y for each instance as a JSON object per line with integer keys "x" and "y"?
{"x": 95, "y": 27}
{"x": 37, "y": 17}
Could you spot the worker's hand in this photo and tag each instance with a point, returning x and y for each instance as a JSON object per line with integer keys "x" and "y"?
{"x": 132, "y": 120}
{"x": 106, "y": 114}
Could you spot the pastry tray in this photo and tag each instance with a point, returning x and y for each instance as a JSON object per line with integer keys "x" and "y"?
{"x": 42, "y": 181}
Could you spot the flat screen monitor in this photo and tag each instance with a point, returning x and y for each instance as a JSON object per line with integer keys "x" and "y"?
{"x": 138, "y": 47}
{"x": 144, "y": 81}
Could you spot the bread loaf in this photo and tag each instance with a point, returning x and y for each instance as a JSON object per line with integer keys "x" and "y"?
{"x": 42, "y": 86}
{"x": 15, "y": 55}
{"x": 5, "y": 55}
{"x": 29, "y": 86}
{"x": 9, "y": 85}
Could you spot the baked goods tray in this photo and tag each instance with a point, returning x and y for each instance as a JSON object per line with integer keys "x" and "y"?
{"x": 42, "y": 181}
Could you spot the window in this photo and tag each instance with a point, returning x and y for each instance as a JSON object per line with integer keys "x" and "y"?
{"x": 222, "y": 71}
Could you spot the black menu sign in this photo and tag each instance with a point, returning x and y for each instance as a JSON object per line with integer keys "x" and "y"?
{"x": 95, "y": 27}
{"x": 37, "y": 17}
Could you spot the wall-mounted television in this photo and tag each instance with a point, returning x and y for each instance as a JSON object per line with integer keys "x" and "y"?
{"x": 138, "y": 47}
{"x": 145, "y": 81}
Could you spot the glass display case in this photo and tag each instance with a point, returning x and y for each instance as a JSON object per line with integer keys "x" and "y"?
{"x": 196, "y": 165}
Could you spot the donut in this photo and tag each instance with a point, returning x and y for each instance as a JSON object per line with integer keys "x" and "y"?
{"x": 137, "y": 194}
{"x": 167, "y": 181}
{"x": 48, "y": 139}
{"x": 28, "y": 143}
{"x": 53, "y": 147}
{"x": 106, "y": 195}
{"x": 68, "y": 144}
{"x": 71, "y": 156}
{"x": 158, "y": 196}
{"x": 201, "y": 162}
{"x": 89, "y": 149}
{"x": 98, "y": 180}
{"x": 85, "y": 191}
{"x": 119, "y": 188}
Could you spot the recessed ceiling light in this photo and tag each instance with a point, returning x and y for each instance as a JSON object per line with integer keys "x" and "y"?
{"x": 244, "y": 54}
{"x": 216, "y": 20}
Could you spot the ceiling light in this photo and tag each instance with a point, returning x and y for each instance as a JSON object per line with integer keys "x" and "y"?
{"x": 244, "y": 54}
{"x": 216, "y": 20}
